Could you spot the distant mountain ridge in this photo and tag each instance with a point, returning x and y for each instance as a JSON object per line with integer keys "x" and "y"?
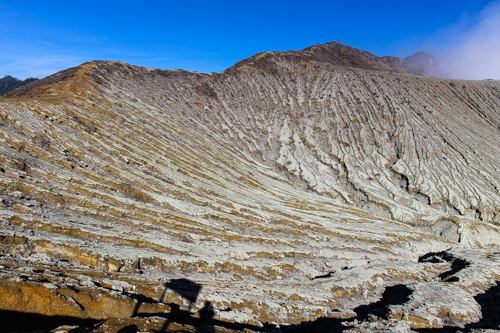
{"x": 338, "y": 54}
{"x": 9, "y": 83}
{"x": 330, "y": 54}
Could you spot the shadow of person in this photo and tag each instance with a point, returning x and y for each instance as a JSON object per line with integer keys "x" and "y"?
{"x": 206, "y": 314}
{"x": 175, "y": 315}
{"x": 185, "y": 288}
{"x": 188, "y": 290}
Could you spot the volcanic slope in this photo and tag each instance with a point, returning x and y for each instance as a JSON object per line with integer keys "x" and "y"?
{"x": 290, "y": 187}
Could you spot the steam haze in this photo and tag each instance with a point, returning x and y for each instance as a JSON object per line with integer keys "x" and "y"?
{"x": 474, "y": 51}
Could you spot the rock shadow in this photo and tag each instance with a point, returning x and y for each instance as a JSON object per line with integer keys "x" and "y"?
{"x": 129, "y": 329}
{"x": 490, "y": 309}
{"x": 203, "y": 321}
{"x": 15, "y": 321}
{"x": 457, "y": 264}
{"x": 395, "y": 295}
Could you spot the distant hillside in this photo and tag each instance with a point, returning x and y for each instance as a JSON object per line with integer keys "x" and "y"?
{"x": 9, "y": 83}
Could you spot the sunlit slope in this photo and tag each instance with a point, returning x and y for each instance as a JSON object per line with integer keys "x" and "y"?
{"x": 413, "y": 149}
{"x": 165, "y": 171}
{"x": 254, "y": 181}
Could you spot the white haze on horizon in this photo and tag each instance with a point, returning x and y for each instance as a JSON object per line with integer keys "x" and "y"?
{"x": 473, "y": 54}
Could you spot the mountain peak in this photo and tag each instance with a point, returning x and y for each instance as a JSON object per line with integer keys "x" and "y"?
{"x": 339, "y": 54}
{"x": 420, "y": 63}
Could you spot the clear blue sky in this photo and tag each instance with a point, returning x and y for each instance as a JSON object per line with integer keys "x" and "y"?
{"x": 39, "y": 38}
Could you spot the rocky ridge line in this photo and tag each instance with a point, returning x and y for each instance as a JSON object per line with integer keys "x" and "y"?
{"x": 289, "y": 190}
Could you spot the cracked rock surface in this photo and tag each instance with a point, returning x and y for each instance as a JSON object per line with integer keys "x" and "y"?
{"x": 321, "y": 189}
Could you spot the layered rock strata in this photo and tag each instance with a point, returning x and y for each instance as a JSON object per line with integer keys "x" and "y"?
{"x": 290, "y": 187}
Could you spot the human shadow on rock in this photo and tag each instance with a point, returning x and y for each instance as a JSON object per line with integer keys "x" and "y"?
{"x": 203, "y": 320}
{"x": 185, "y": 288}
{"x": 190, "y": 291}
{"x": 207, "y": 314}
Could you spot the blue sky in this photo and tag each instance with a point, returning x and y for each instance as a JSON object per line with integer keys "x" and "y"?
{"x": 39, "y": 38}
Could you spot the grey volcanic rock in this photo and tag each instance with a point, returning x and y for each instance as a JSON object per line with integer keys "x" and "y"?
{"x": 295, "y": 188}
{"x": 420, "y": 63}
